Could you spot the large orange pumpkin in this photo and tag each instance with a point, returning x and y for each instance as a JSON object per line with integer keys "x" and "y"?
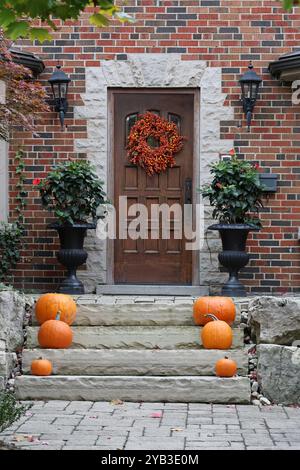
{"x": 55, "y": 334}
{"x": 222, "y": 307}
{"x": 226, "y": 367}
{"x": 216, "y": 334}
{"x": 49, "y": 305}
{"x": 41, "y": 367}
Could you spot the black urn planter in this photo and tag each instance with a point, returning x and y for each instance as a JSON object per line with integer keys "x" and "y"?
{"x": 234, "y": 256}
{"x": 72, "y": 254}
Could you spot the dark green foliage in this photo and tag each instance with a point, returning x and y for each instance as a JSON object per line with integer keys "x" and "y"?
{"x": 10, "y": 410}
{"x": 10, "y": 240}
{"x": 73, "y": 191}
{"x": 288, "y": 4}
{"x": 11, "y": 233}
{"x": 235, "y": 191}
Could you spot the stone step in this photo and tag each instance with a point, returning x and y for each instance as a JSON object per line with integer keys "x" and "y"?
{"x": 135, "y": 361}
{"x": 136, "y": 337}
{"x": 150, "y": 289}
{"x": 136, "y": 314}
{"x": 128, "y": 388}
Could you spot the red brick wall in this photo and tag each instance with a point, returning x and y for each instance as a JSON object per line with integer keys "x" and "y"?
{"x": 225, "y": 33}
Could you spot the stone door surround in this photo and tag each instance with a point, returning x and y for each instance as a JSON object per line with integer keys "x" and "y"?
{"x": 150, "y": 71}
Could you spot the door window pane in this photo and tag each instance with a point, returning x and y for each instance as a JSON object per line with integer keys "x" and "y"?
{"x": 129, "y": 122}
{"x": 176, "y": 119}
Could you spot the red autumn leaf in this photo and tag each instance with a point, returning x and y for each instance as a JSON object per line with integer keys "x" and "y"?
{"x": 156, "y": 415}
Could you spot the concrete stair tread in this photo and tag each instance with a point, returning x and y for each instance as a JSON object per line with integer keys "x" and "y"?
{"x": 136, "y": 314}
{"x": 193, "y": 362}
{"x": 150, "y": 289}
{"x": 132, "y": 388}
{"x": 137, "y": 337}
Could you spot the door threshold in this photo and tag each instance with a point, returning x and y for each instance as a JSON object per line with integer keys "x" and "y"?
{"x": 139, "y": 289}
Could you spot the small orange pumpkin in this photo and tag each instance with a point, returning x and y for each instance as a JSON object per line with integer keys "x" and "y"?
{"x": 222, "y": 307}
{"x": 226, "y": 367}
{"x": 216, "y": 334}
{"x": 49, "y": 305}
{"x": 41, "y": 367}
{"x": 55, "y": 334}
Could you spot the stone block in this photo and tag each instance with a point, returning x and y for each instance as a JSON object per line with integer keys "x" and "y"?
{"x": 129, "y": 388}
{"x": 12, "y": 310}
{"x": 136, "y": 361}
{"x": 136, "y": 337}
{"x": 279, "y": 373}
{"x": 275, "y": 320}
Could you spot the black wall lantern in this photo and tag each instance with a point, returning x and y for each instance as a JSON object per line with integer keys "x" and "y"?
{"x": 250, "y": 82}
{"x": 59, "y": 82}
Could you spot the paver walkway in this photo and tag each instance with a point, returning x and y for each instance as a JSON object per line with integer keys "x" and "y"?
{"x": 153, "y": 426}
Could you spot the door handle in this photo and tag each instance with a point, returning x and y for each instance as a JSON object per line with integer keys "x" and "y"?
{"x": 188, "y": 191}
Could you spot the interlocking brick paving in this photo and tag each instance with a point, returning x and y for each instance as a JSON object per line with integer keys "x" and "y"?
{"x": 62, "y": 425}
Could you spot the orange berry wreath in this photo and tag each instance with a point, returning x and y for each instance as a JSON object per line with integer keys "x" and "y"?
{"x": 165, "y": 133}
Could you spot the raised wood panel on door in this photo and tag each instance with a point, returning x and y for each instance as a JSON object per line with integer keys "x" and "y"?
{"x": 156, "y": 260}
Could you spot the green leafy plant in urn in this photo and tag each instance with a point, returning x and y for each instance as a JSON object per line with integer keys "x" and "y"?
{"x": 74, "y": 193}
{"x": 235, "y": 193}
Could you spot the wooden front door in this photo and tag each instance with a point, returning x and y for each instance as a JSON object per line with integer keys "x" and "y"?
{"x": 153, "y": 261}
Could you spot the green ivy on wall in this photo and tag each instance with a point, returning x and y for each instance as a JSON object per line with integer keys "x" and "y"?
{"x": 11, "y": 234}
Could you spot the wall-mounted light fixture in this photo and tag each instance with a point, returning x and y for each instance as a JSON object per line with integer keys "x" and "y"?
{"x": 59, "y": 82}
{"x": 249, "y": 82}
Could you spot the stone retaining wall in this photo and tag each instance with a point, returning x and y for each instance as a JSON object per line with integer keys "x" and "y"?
{"x": 13, "y": 307}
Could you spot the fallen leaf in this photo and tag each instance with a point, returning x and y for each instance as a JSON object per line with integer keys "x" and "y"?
{"x": 156, "y": 415}
{"x": 177, "y": 429}
{"x": 19, "y": 438}
{"x": 117, "y": 402}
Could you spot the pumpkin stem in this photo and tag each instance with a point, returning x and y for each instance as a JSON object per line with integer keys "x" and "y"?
{"x": 212, "y": 316}
{"x": 226, "y": 357}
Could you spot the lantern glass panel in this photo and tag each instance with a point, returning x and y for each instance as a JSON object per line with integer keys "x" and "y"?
{"x": 250, "y": 90}
{"x": 243, "y": 89}
{"x": 55, "y": 89}
{"x": 256, "y": 88}
{"x": 63, "y": 90}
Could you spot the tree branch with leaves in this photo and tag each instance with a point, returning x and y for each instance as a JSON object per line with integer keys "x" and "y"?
{"x": 289, "y": 4}
{"x": 18, "y": 18}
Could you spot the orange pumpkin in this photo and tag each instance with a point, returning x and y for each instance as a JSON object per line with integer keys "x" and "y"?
{"x": 226, "y": 367}
{"x": 49, "y": 305}
{"x": 216, "y": 334}
{"x": 222, "y": 307}
{"x": 55, "y": 334}
{"x": 41, "y": 367}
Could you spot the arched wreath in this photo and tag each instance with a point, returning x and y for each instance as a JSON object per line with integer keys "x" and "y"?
{"x": 148, "y": 128}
